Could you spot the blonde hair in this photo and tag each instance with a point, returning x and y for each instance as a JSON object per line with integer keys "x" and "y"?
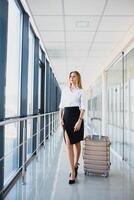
{"x": 78, "y": 77}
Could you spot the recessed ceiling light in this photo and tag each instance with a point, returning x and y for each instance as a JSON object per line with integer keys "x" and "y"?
{"x": 82, "y": 24}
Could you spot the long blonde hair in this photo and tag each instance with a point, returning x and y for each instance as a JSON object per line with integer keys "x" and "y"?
{"x": 78, "y": 77}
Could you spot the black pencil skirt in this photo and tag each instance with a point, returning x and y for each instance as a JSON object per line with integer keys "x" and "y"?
{"x": 70, "y": 117}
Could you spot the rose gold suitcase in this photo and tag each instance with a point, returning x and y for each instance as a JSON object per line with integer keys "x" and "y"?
{"x": 96, "y": 155}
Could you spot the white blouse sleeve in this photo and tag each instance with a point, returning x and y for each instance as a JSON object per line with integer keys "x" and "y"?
{"x": 83, "y": 100}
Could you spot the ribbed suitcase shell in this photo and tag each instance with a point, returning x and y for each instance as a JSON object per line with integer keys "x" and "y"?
{"x": 96, "y": 155}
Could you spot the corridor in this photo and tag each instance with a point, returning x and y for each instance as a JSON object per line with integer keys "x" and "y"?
{"x": 83, "y": 51}
{"x": 47, "y": 178}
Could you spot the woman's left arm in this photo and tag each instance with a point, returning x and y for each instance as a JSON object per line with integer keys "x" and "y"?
{"x": 82, "y": 111}
{"x": 78, "y": 123}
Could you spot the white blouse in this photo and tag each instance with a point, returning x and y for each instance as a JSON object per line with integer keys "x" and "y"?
{"x": 73, "y": 97}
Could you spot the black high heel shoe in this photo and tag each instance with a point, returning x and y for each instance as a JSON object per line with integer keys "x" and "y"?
{"x": 71, "y": 181}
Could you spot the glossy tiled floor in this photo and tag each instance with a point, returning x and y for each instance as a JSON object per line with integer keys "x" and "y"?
{"x": 47, "y": 179}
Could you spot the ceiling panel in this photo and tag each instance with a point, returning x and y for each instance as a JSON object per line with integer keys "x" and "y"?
{"x": 49, "y": 23}
{"x": 96, "y": 59}
{"x": 59, "y": 61}
{"x": 86, "y": 7}
{"x": 109, "y": 36}
{"x": 116, "y": 23}
{"x": 52, "y": 36}
{"x": 78, "y": 45}
{"x": 99, "y": 53}
{"x": 45, "y": 7}
{"x": 92, "y": 67}
{"x": 74, "y": 67}
{"x": 103, "y": 46}
{"x": 54, "y": 45}
{"x": 94, "y": 62}
{"x": 76, "y": 62}
{"x": 120, "y": 7}
{"x": 81, "y": 23}
{"x": 78, "y": 53}
{"x": 79, "y": 36}
{"x": 56, "y": 53}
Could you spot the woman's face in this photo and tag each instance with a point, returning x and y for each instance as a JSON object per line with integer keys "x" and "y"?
{"x": 73, "y": 78}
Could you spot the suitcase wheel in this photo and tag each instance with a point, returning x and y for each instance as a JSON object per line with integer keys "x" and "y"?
{"x": 106, "y": 174}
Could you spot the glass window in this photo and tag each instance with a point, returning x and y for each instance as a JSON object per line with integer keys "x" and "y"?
{"x": 12, "y": 105}
{"x": 39, "y": 81}
{"x": 30, "y": 92}
{"x": 11, "y": 162}
{"x": 12, "y": 100}
{"x": 39, "y": 90}
{"x": 30, "y": 73}
{"x": 40, "y": 53}
{"x": 29, "y": 137}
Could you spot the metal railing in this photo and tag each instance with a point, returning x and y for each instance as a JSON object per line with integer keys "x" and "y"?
{"x": 46, "y": 124}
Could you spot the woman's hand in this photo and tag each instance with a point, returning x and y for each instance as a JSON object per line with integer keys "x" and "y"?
{"x": 77, "y": 125}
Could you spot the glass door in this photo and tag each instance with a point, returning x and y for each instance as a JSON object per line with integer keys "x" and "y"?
{"x": 115, "y": 127}
{"x": 129, "y": 108}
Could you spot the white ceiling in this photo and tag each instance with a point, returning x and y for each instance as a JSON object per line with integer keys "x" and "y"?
{"x": 81, "y": 34}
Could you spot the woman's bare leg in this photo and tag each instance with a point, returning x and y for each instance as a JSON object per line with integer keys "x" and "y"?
{"x": 77, "y": 153}
{"x": 70, "y": 154}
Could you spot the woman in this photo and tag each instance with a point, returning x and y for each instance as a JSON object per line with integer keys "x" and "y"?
{"x": 72, "y": 108}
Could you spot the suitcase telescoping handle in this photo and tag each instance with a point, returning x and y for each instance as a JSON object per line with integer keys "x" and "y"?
{"x": 98, "y": 119}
